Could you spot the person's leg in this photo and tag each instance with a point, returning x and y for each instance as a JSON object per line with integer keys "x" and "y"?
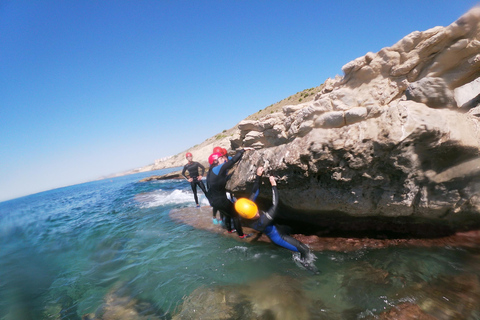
{"x": 238, "y": 225}
{"x": 287, "y": 242}
{"x": 227, "y": 220}
{"x": 214, "y": 216}
{"x": 236, "y": 220}
{"x": 301, "y": 247}
{"x": 202, "y": 186}
{"x": 194, "y": 189}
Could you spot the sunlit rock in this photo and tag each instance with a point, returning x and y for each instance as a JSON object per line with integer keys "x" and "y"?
{"x": 362, "y": 149}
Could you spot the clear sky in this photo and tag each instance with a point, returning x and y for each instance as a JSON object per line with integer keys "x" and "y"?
{"x": 91, "y": 88}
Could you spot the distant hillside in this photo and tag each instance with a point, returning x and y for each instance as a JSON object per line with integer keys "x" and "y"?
{"x": 203, "y": 150}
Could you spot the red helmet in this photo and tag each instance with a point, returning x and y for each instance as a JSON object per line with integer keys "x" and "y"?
{"x": 188, "y": 155}
{"x": 224, "y": 151}
{"x": 213, "y": 157}
{"x": 217, "y": 150}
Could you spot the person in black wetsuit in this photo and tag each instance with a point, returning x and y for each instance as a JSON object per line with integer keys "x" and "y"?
{"x": 195, "y": 178}
{"x": 263, "y": 221}
{"x": 216, "y": 182}
{"x": 224, "y": 152}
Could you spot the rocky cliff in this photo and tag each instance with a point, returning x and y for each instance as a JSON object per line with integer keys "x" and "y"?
{"x": 397, "y": 136}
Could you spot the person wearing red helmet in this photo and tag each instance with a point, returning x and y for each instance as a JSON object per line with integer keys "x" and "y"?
{"x": 194, "y": 177}
{"x": 217, "y": 150}
{"x": 224, "y": 153}
{"x": 216, "y": 182}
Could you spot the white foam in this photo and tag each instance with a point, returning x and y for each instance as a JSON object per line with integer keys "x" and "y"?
{"x": 237, "y": 248}
{"x": 161, "y": 198}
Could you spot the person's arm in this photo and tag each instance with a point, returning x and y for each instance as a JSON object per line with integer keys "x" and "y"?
{"x": 272, "y": 212}
{"x": 183, "y": 172}
{"x": 203, "y": 169}
{"x": 256, "y": 184}
{"x": 229, "y": 164}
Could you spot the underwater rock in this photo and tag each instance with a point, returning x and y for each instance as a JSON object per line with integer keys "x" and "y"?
{"x": 454, "y": 297}
{"x": 120, "y": 305}
{"x": 404, "y": 311}
{"x": 277, "y": 297}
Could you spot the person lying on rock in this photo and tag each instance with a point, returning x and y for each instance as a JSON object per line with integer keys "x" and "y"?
{"x": 195, "y": 178}
{"x": 217, "y": 193}
{"x": 263, "y": 221}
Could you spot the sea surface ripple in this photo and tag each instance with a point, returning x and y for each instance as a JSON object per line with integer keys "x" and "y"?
{"x": 82, "y": 250}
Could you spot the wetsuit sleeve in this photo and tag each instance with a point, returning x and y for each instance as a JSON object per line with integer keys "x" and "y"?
{"x": 208, "y": 179}
{"x": 272, "y": 212}
{"x": 229, "y": 164}
{"x": 183, "y": 172}
{"x": 202, "y": 167}
{"x": 237, "y": 156}
{"x": 256, "y": 188}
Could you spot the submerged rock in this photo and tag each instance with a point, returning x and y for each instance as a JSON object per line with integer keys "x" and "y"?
{"x": 120, "y": 305}
{"x": 278, "y": 298}
{"x": 404, "y": 311}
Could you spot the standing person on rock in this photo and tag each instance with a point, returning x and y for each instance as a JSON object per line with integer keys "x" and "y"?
{"x": 224, "y": 152}
{"x": 195, "y": 178}
{"x": 216, "y": 181}
{"x": 263, "y": 221}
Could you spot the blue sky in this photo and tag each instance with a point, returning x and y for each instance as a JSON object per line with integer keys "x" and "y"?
{"x": 90, "y": 88}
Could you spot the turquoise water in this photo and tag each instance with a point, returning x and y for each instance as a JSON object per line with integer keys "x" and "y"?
{"x": 86, "y": 249}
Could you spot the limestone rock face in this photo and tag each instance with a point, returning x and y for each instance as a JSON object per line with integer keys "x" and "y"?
{"x": 389, "y": 139}
{"x": 433, "y": 92}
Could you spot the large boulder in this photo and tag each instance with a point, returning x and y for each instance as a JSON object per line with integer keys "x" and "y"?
{"x": 365, "y": 147}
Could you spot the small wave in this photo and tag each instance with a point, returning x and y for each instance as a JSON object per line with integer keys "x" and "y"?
{"x": 162, "y": 198}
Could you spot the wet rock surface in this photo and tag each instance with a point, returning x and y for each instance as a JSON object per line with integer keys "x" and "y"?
{"x": 201, "y": 218}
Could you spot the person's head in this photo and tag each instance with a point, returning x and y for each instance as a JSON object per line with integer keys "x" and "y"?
{"x": 189, "y": 156}
{"x": 215, "y": 159}
{"x": 246, "y": 208}
{"x": 217, "y": 150}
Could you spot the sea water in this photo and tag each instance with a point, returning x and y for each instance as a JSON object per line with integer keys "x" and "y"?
{"x": 65, "y": 253}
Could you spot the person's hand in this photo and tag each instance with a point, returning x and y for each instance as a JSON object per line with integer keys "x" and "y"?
{"x": 199, "y": 177}
{"x": 272, "y": 181}
{"x": 260, "y": 171}
{"x": 190, "y": 179}
{"x": 248, "y": 148}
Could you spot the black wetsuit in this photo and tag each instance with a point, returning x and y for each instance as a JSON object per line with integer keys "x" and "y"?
{"x": 192, "y": 168}
{"x": 265, "y": 223}
{"x": 216, "y": 182}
